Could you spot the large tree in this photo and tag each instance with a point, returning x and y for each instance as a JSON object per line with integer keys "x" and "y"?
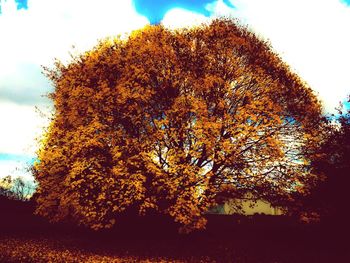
{"x": 175, "y": 122}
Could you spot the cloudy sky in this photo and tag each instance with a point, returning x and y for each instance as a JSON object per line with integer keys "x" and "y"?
{"x": 313, "y": 36}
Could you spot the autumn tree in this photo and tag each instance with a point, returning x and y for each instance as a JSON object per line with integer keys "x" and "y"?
{"x": 329, "y": 198}
{"x": 15, "y": 188}
{"x": 175, "y": 122}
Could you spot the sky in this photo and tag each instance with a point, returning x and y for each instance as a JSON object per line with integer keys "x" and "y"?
{"x": 311, "y": 36}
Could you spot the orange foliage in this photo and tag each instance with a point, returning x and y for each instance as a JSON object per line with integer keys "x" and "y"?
{"x": 174, "y": 121}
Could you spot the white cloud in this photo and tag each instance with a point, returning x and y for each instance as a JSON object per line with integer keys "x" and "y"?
{"x": 47, "y": 30}
{"x": 312, "y": 36}
{"x": 21, "y": 125}
{"x": 178, "y": 17}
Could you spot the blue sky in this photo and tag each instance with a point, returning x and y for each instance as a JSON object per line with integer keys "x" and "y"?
{"x": 309, "y": 35}
{"x": 155, "y": 10}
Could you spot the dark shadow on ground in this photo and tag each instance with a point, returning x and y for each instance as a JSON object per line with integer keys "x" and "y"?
{"x": 251, "y": 239}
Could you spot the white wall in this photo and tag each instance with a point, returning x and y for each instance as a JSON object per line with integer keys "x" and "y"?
{"x": 251, "y": 208}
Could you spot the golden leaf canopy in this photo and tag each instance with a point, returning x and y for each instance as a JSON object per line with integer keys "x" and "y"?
{"x": 174, "y": 121}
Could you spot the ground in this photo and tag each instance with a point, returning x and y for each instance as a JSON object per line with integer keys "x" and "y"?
{"x": 26, "y": 238}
